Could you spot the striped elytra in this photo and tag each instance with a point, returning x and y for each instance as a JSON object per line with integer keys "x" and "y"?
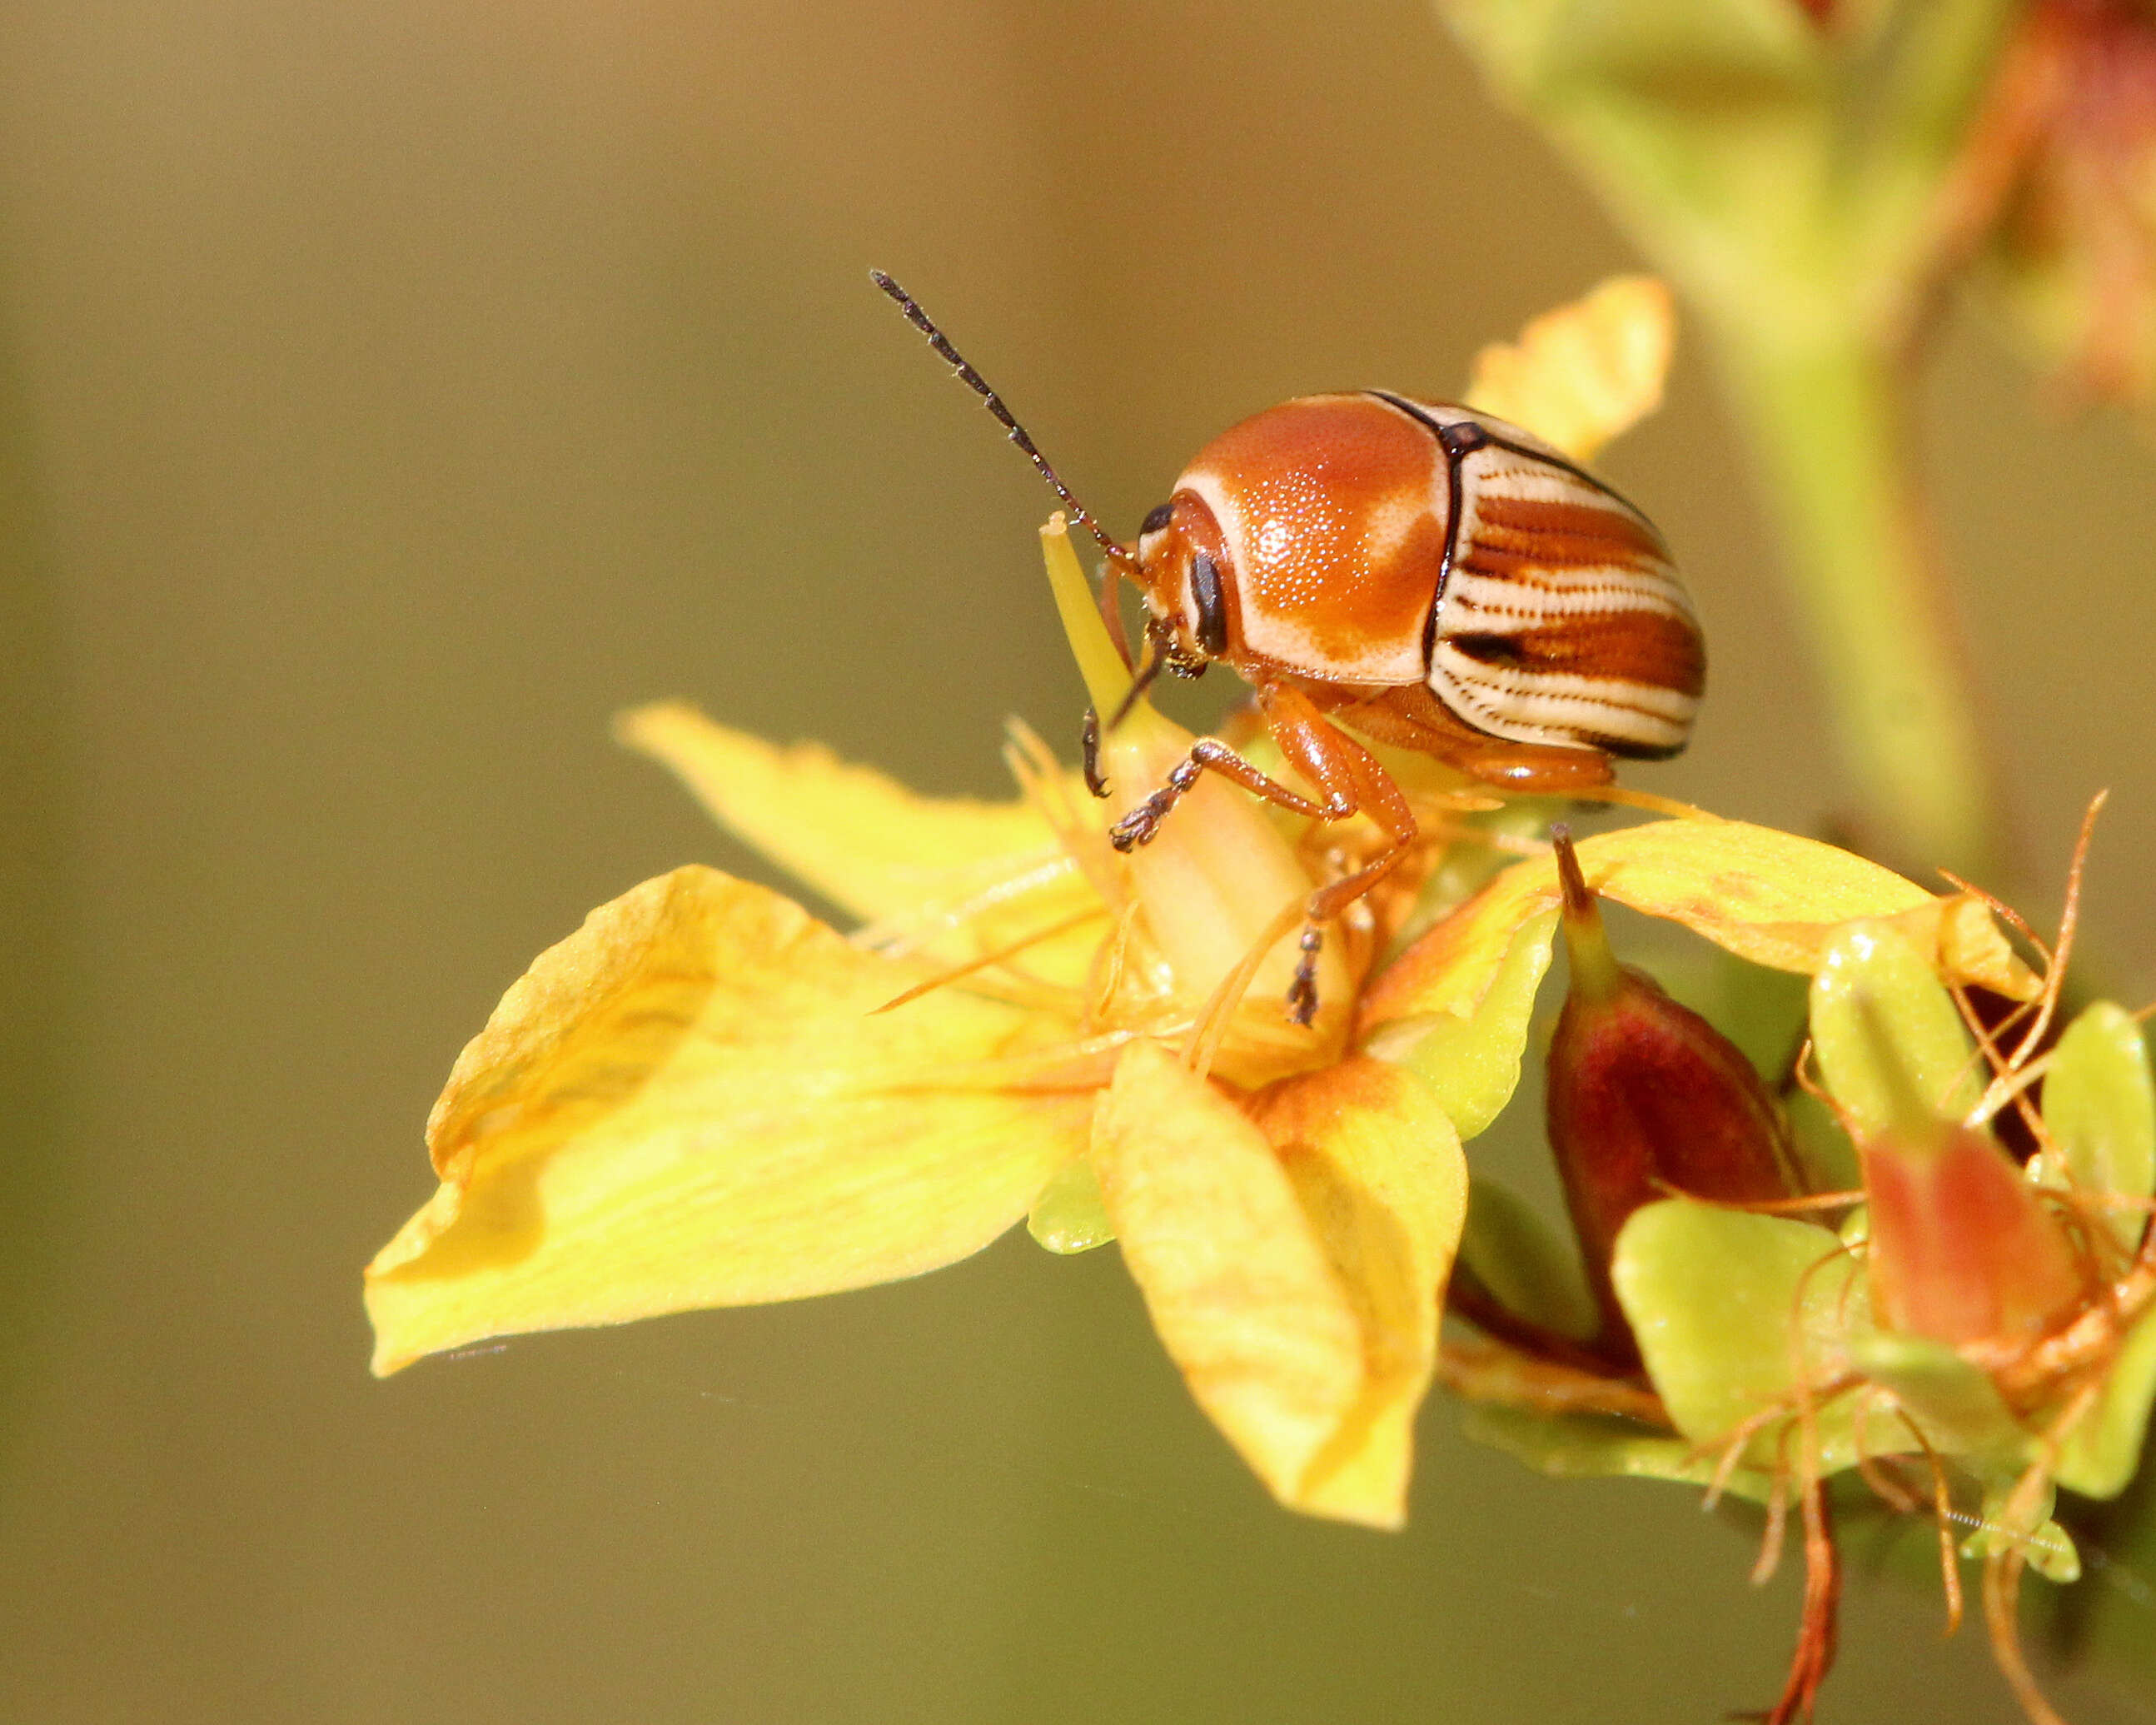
{"x": 1369, "y": 542}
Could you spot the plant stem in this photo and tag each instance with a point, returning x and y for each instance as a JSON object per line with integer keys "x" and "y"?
{"x": 1826, "y": 415}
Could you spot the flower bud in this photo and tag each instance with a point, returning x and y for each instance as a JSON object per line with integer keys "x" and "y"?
{"x": 1647, "y": 1100}
{"x": 1962, "y": 1249}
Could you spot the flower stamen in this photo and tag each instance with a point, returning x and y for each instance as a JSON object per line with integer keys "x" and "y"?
{"x": 987, "y": 960}
{"x": 1219, "y": 1012}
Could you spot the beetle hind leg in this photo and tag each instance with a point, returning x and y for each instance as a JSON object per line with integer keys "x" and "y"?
{"x": 1329, "y": 901}
{"x": 1303, "y": 991}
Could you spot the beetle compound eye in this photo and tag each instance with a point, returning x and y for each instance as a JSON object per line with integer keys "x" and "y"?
{"x": 1212, "y": 608}
{"x": 1157, "y": 521}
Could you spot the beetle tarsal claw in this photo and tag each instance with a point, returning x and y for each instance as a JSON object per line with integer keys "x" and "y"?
{"x": 1139, "y": 827}
{"x": 1302, "y": 992}
{"x": 1142, "y": 823}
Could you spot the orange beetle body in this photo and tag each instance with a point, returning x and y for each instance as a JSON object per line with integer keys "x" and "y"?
{"x": 1427, "y": 575}
{"x": 1434, "y": 577}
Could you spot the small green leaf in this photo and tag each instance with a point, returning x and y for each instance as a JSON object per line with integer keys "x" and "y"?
{"x": 2100, "y": 1110}
{"x": 1473, "y": 1064}
{"x": 1578, "y": 1446}
{"x": 2100, "y": 1455}
{"x": 2048, "y": 1547}
{"x": 1721, "y": 1300}
{"x": 1955, "y": 1403}
{"x": 1875, "y": 985}
{"x": 1527, "y": 1268}
{"x": 1068, "y": 1216}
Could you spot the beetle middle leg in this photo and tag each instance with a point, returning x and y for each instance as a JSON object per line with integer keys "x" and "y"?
{"x": 1349, "y": 781}
{"x": 1208, "y": 754}
{"x": 1347, "y": 774}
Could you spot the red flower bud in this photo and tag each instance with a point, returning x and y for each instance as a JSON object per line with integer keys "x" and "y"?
{"x": 1647, "y": 1100}
{"x": 1961, "y": 1249}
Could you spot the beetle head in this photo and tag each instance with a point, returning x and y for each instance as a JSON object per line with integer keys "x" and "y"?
{"x": 1183, "y": 570}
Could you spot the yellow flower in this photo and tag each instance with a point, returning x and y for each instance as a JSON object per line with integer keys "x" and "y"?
{"x": 695, "y": 1100}
{"x": 704, "y": 1097}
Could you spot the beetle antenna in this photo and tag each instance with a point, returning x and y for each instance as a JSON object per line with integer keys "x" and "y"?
{"x": 979, "y": 385}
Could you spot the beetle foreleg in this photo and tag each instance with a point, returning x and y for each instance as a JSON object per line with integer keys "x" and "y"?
{"x": 1089, "y": 749}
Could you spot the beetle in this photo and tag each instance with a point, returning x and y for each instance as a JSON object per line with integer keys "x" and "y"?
{"x": 1420, "y": 573}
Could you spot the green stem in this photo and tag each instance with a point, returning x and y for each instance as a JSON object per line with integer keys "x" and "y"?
{"x": 1826, "y": 415}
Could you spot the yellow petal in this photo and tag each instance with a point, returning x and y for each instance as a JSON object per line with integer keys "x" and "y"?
{"x": 921, "y": 864}
{"x": 687, "y": 1104}
{"x": 1768, "y": 896}
{"x": 1379, "y": 1173}
{"x": 1581, "y": 374}
{"x": 1297, "y": 1292}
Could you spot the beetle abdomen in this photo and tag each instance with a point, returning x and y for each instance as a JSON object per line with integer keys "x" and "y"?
{"x": 1560, "y": 620}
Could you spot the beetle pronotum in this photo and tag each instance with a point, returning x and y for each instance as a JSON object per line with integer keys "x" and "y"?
{"x": 1427, "y": 575}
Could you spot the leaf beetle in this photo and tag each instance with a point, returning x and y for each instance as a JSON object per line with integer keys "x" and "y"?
{"x": 1424, "y": 574}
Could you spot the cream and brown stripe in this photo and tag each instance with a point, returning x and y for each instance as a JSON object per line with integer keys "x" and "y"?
{"x": 1558, "y": 619}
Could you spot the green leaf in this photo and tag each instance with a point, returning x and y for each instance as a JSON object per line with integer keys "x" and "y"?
{"x": 2100, "y": 1110}
{"x": 1955, "y": 1403}
{"x": 1724, "y": 1304}
{"x": 2048, "y": 1547}
{"x": 1824, "y": 1149}
{"x": 2102, "y": 1454}
{"x": 1874, "y": 984}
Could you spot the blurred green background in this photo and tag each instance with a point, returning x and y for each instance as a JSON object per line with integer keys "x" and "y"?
{"x": 390, "y": 393}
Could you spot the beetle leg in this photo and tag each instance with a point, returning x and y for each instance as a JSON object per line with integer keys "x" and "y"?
{"x": 1415, "y": 718}
{"x": 1302, "y": 988}
{"x": 1348, "y": 777}
{"x": 1089, "y": 748}
{"x": 1352, "y": 782}
{"x": 1210, "y": 754}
